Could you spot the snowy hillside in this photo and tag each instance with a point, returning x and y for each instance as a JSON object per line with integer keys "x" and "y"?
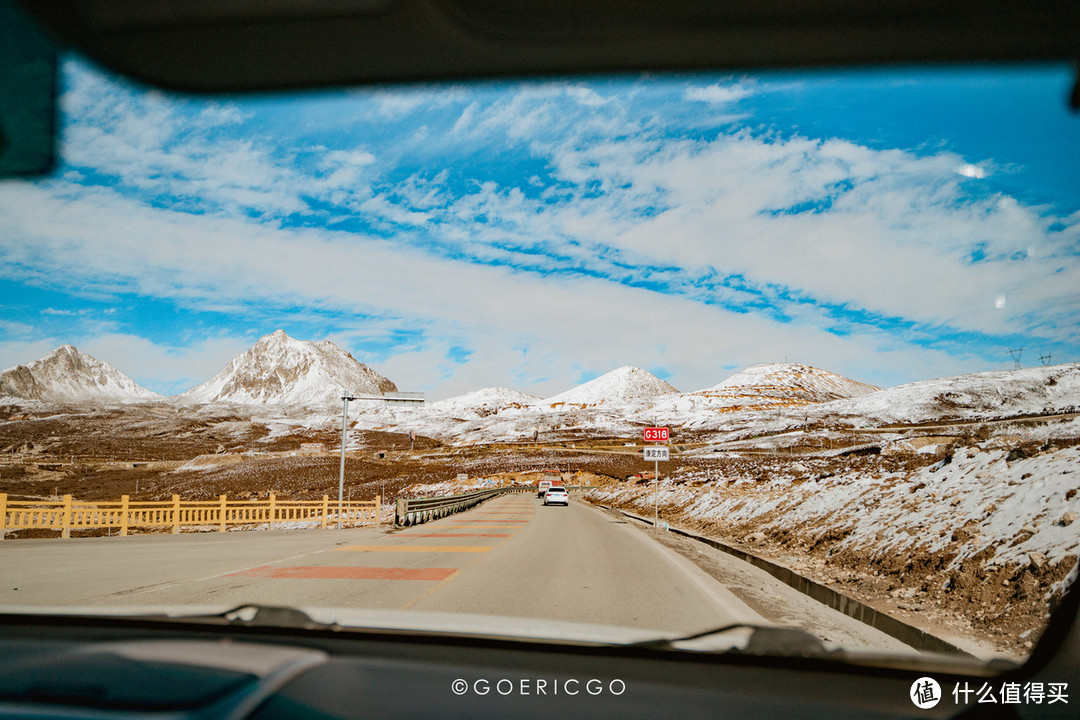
{"x": 791, "y": 381}
{"x": 610, "y": 404}
{"x": 625, "y": 384}
{"x": 613, "y": 405}
{"x": 68, "y": 376}
{"x": 279, "y": 370}
{"x": 483, "y": 402}
{"x": 768, "y": 386}
{"x": 979, "y": 395}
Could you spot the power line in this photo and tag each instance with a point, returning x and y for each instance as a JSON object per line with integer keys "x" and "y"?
{"x": 1015, "y": 352}
{"x": 1045, "y": 359}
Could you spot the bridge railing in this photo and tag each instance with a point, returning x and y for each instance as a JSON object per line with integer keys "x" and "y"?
{"x": 69, "y": 514}
{"x": 413, "y": 511}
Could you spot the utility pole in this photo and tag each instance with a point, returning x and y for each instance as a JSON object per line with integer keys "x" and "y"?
{"x": 341, "y": 475}
{"x": 1045, "y": 359}
{"x": 1015, "y": 352}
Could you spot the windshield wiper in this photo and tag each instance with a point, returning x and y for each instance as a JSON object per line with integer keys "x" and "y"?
{"x": 737, "y": 639}
{"x": 748, "y": 639}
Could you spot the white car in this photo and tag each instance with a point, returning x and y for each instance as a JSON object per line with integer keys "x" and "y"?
{"x": 556, "y": 496}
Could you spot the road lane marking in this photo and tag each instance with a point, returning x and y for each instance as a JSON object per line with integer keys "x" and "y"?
{"x": 456, "y": 535}
{"x": 323, "y": 572}
{"x": 499, "y": 520}
{"x": 417, "y": 548}
{"x": 478, "y": 527}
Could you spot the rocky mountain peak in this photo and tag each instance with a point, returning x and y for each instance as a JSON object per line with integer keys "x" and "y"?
{"x": 279, "y": 369}
{"x": 69, "y": 376}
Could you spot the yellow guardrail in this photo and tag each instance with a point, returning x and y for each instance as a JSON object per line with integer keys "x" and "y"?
{"x": 69, "y": 514}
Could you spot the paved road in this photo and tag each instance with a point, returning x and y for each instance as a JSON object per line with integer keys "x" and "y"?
{"x": 510, "y": 556}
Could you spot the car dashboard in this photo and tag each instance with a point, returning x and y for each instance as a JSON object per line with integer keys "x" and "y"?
{"x": 109, "y": 668}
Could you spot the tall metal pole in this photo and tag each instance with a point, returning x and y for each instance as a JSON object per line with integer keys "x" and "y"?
{"x": 656, "y": 493}
{"x": 341, "y": 477}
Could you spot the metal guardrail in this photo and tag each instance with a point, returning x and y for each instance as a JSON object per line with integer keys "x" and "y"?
{"x": 69, "y": 514}
{"x": 413, "y": 511}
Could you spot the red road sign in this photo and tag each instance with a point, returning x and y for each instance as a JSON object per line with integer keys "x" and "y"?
{"x": 657, "y": 434}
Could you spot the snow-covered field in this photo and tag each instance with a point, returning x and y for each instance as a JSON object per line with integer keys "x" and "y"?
{"x": 989, "y": 529}
{"x": 1014, "y": 509}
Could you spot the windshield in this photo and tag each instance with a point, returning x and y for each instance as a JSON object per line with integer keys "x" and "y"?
{"x": 815, "y": 325}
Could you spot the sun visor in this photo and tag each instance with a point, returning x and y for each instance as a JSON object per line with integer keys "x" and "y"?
{"x": 210, "y": 45}
{"x": 27, "y": 96}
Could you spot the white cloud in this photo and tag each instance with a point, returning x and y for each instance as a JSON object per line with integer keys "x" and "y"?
{"x": 893, "y": 233}
{"x": 972, "y": 171}
{"x": 802, "y": 221}
{"x": 585, "y": 96}
{"x": 200, "y": 260}
{"x": 718, "y": 94}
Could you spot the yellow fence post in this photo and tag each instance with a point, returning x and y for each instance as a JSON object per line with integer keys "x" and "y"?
{"x": 273, "y": 510}
{"x": 325, "y": 509}
{"x": 65, "y": 518}
{"x": 378, "y": 506}
{"x": 221, "y": 515}
{"x": 3, "y": 514}
{"x": 176, "y": 514}
{"x": 125, "y": 501}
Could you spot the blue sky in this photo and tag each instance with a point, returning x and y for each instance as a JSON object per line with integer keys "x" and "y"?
{"x": 891, "y": 226}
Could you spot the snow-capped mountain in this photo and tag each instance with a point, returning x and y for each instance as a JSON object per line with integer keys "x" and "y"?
{"x": 794, "y": 381}
{"x": 484, "y": 402}
{"x": 979, "y": 395}
{"x": 785, "y": 384}
{"x": 280, "y": 370}
{"x": 775, "y": 385}
{"x": 625, "y": 384}
{"x": 68, "y": 376}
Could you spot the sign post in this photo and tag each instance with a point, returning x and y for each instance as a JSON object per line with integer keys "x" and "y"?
{"x": 656, "y": 453}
